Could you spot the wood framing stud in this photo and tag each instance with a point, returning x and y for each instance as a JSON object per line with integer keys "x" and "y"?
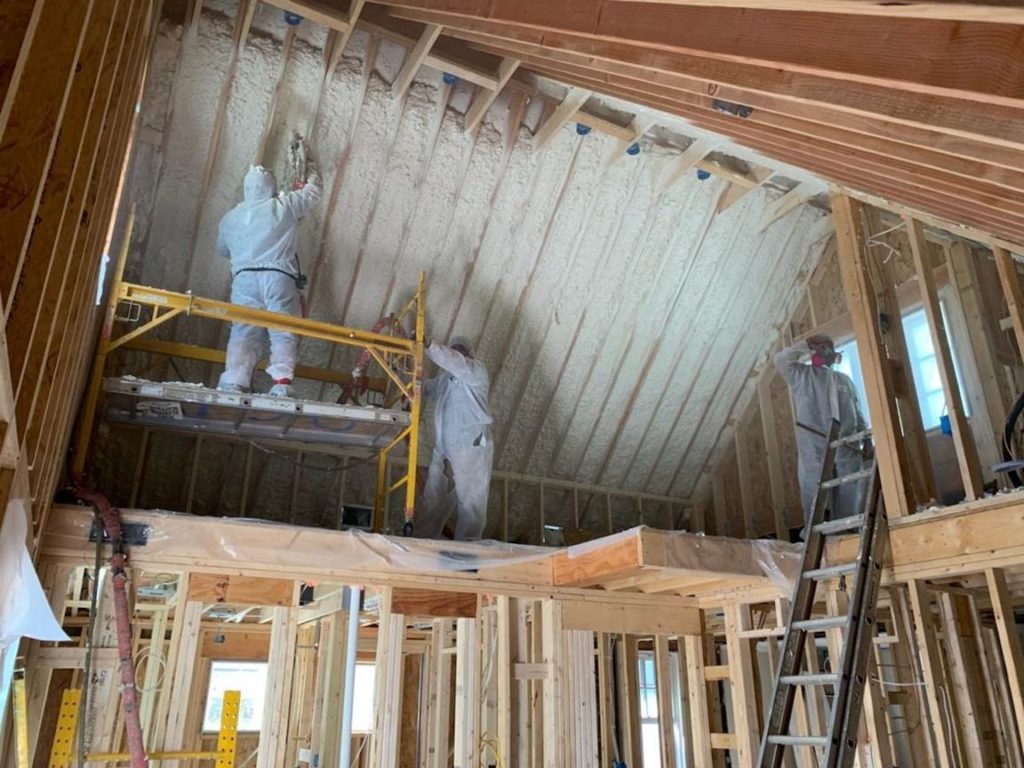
{"x": 484, "y": 97}
{"x": 414, "y": 60}
{"x": 573, "y": 100}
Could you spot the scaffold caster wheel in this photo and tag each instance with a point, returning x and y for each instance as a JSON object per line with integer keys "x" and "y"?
{"x": 407, "y": 528}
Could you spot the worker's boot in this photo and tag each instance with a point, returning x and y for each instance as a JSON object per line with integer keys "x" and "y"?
{"x": 232, "y": 389}
{"x": 281, "y": 388}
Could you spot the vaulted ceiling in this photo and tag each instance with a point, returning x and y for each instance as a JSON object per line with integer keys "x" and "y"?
{"x": 917, "y": 103}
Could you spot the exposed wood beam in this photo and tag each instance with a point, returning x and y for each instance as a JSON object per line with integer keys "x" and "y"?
{"x": 966, "y": 450}
{"x": 876, "y": 66}
{"x": 320, "y": 12}
{"x": 692, "y": 155}
{"x": 736, "y": 192}
{"x": 374, "y": 22}
{"x": 483, "y": 98}
{"x": 621, "y": 132}
{"x": 574, "y": 99}
{"x": 863, "y": 306}
{"x": 918, "y": 143}
{"x": 951, "y": 10}
{"x": 1013, "y": 294}
{"x": 414, "y": 60}
{"x": 796, "y": 197}
{"x": 1009, "y": 641}
{"x": 637, "y": 128}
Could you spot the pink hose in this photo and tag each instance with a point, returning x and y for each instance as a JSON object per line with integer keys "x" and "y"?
{"x": 111, "y": 518}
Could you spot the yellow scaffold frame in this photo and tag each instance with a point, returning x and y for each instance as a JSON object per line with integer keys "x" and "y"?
{"x": 165, "y": 305}
{"x": 62, "y": 754}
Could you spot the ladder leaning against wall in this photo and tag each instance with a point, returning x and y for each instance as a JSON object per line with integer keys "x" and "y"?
{"x": 848, "y": 674}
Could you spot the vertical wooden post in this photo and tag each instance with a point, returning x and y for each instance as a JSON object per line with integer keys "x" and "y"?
{"x": 581, "y": 702}
{"x": 387, "y": 705}
{"x": 666, "y": 711}
{"x": 630, "y": 744}
{"x": 966, "y": 451}
{"x": 184, "y": 647}
{"x": 333, "y": 647}
{"x": 963, "y": 274}
{"x": 1009, "y": 642}
{"x": 745, "y": 707}
{"x": 883, "y": 277}
{"x": 972, "y": 718}
{"x": 277, "y": 698}
{"x": 878, "y": 380}
{"x": 908, "y": 668}
{"x": 467, "y": 687}
{"x": 928, "y": 649}
{"x": 606, "y": 697}
{"x": 555, "y": 751}
{"x": 740, "y": 437}
{"x": 507, "y": 658}
{"x": 1012, "y": 292}
{"x": 700, "y": 721}
{"x": 441, "y": 642}
{"x": 772, "y": 452}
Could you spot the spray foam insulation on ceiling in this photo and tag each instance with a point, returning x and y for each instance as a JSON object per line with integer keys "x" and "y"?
{"x": 619, "y": 326}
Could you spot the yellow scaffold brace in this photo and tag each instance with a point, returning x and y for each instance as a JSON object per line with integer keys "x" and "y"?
{"x": 164, "y": 305}
{"x": 62, "y": 755}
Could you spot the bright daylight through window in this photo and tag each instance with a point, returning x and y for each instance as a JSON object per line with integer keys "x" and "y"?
{"x": 923, "y": 363}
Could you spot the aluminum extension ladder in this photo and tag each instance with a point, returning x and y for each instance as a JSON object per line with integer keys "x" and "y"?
{"x": 847, "y": 676}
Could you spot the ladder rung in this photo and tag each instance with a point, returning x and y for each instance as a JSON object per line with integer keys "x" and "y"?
{"x": 856, "y": 437}
{"x": 841, "y": 524}
{"x": 821, "y": 679}
{"x": 799, "y": 741}
{"x": 818, "y": 625}
{"x": 836, "y": 481}
{"x": 831, "y": 571}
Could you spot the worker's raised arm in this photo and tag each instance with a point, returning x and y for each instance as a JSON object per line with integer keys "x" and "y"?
{"x": 788, "y": 361}
{"x": 301, "y": 201}
{"x": 465, "y": 369}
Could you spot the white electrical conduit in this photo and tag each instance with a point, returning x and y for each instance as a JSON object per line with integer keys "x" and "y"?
{"x": 354, "y": 595}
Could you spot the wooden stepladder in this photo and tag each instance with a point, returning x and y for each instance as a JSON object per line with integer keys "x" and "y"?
{"x": 836, "y": 747}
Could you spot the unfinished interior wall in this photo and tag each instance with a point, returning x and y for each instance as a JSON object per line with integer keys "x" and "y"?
{"x": 979, "y": 335}
{"x": 617, "y": 324}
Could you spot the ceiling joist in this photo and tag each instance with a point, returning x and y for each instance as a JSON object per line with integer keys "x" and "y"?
{"x": 868, "y": 109}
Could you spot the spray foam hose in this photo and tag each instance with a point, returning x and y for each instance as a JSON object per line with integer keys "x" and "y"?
{"x": 111, "y": 518}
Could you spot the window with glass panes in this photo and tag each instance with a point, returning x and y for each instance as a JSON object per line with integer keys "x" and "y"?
{"x": 923, "y": 364}
{"x": 650, "y": 736}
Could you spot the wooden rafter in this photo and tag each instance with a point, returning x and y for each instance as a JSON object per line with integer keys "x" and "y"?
{"x": 574, "y": 99}
{"x": 414, "y": 59}
{"x": 840, "y": 113}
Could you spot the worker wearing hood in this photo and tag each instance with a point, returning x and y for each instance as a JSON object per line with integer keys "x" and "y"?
{"x": 460, "y": 468}
{"x": 260, "y": 237}
{"x": 822, "y": 395}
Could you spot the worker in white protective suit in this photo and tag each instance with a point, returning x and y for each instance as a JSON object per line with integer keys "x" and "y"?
{"x": 821, "y": 395}
{"x": 460, "y": 469}
{"x": 260, "y": 236}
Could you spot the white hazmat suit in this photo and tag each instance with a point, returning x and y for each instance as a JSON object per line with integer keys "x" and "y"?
{"x": 260, "y": 236}
{"x": 821, "y": 395}
{"x": 462, "y": 426}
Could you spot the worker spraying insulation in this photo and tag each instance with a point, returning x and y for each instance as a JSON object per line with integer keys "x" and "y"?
{"x": 821, "y": 395}
{"x": 260, "y": 237}
{"x": 460, "y": 468}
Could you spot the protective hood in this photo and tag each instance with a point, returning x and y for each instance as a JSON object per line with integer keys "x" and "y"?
{"x": 461, "y": 341}
{"x": 259, "y": 185}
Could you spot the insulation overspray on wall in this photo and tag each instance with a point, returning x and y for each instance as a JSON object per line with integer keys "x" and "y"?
{"x": 610, "y": 318}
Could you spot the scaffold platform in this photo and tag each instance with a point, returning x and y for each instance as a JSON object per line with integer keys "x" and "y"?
{"x": 181, "y": 405}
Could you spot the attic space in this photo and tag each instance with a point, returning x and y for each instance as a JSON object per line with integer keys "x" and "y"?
{"x": 512, "y": 384}
{"x": 600, "y": 289}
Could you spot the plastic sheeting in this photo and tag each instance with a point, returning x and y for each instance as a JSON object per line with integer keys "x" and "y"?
{"x": 246, "y": 540}
{"x": 776, "y": 560}
{"x": 24, "y": 609}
